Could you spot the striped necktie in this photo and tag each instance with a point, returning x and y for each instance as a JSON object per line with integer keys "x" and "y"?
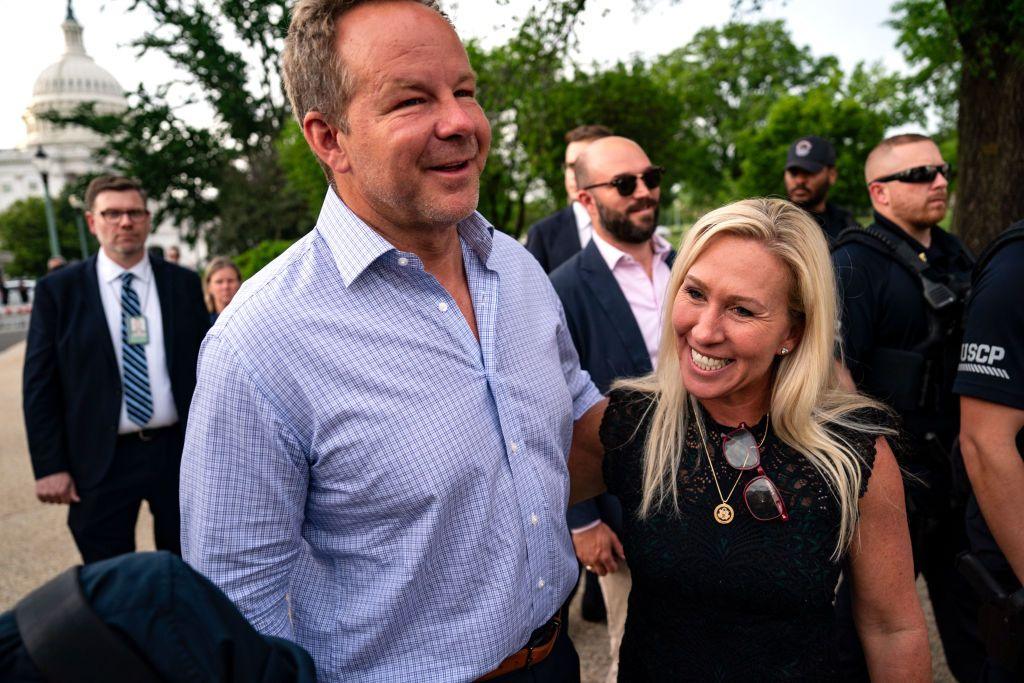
{"x": 138, "y": 399}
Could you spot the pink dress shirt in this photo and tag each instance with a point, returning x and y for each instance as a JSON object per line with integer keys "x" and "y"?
{"x": 645, "y": 295}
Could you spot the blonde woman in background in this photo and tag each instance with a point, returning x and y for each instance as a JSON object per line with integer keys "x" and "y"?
{"x": 221, "y": 283}
{"x": 748, "y": 475}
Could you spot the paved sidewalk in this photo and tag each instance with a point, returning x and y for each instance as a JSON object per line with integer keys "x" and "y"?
{"x": 35, "y": 543}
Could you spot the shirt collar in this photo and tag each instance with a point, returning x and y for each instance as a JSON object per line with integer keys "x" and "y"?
{"x": 613, "y": 255}
{"x": 899, "y": 232}
{"x": 356, "y": 246}
{"x": 110, "y": 271}
{"x": 581, "y": 214}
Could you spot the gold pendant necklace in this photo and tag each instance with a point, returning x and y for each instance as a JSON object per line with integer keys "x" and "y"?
{"x": 723, "y": 512}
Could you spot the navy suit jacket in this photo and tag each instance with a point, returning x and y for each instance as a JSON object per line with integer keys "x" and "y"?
{"x": 609, "y": 343}
{"x": 71, "y": 387}
{"x": 555, "y": 239}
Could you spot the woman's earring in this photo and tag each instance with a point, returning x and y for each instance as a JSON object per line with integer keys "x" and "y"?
{"x": 783, "y": 351}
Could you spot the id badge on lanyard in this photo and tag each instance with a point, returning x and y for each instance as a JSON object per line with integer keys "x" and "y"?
{"x": 138, "y": 330}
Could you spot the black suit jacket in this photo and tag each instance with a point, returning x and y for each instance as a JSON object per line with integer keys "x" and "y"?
{"x": 71, "y": 387}
{"x": 555, "y": 239}
{"x": 609, "y": 343}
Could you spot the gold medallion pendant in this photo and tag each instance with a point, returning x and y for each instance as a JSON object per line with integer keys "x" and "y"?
{"x": 724, "y": 513}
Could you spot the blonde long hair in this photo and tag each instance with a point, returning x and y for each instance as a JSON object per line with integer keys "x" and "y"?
{"x": 806, "y": 396}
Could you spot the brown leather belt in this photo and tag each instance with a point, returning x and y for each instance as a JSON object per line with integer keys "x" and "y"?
{"x": 541, "y": 643}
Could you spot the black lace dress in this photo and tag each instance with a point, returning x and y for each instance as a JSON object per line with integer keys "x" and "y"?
{"x": 746, "y": 601}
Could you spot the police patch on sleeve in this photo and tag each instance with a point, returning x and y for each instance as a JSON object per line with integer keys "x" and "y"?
{"x": 991, "y": 363}
{"x": 983, "y": 359}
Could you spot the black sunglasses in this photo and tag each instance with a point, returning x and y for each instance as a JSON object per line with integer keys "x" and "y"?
{"x": 626, "y": 183}
{"x": 918, "y": 174}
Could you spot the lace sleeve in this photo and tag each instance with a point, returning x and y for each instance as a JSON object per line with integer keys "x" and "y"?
{"x": 875, "y": 423}
{"x": 623, "y": 434}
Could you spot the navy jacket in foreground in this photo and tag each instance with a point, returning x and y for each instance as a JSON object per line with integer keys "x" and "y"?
{"x": 609, "y": 343}
{"x": 72, "y": 385}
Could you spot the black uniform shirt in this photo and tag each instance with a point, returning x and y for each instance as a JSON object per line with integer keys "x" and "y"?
{"x": 883, "y": 305}
{"x": 992, "y": 367}
{"x": 834, "y": 220}
{"x": 992, "y": 354}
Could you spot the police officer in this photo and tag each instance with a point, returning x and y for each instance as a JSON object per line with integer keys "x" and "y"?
{"x": 990, "y": 382}
{"x": 810, "y": 174}
{"x": 903, "y": 282}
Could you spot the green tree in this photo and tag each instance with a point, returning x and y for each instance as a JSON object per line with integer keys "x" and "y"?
{"x": 250, "y": 262}
{"x": 974, "y": 49}
{"x": 626, "y": 98}
{"x": 853, "y": 113}
{"x": 23, "y": 232}
{"x": 517, "y": 88}
{"x": 726, "y": 80}
{"x": 230, "y": 52}
{"x": 302, "y": 172}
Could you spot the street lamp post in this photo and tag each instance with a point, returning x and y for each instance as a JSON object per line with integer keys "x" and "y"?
{"x": 42, "y": 162}
{"x": 77, "y": 204}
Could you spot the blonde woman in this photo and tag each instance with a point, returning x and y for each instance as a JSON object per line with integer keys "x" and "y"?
{"x": 747, "y": 473}
{"x": 221, "y": 283}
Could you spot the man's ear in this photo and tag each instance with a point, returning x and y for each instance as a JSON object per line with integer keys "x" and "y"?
{"x": 879, "y": 194}
{"x": 585, "y": 198}
{"x": 326, "y": 141}
{"x": 90, "y": 220}
{"x": 588, "y": 202}
{"x": 832, "y": 175}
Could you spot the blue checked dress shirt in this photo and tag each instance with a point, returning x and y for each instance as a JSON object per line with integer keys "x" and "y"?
{"x": 362, "y": 476}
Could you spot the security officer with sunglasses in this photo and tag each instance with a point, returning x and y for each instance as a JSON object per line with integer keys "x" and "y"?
{"x": 904, "y": 282}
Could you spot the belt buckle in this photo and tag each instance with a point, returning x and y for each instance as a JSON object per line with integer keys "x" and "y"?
{"x": 143, "y": 436}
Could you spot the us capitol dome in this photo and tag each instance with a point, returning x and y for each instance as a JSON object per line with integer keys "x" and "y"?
{"x": 70, "y": 150}
{"x": 64, "y": 85}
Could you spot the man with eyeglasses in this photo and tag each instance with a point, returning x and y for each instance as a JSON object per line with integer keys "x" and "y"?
{"x": 810, "y": 174}
{"x": 553, "y": 240}
{"x": 903, "y": 282}
{"x": 110, "y": 368}
{"x": 613, "y": 295}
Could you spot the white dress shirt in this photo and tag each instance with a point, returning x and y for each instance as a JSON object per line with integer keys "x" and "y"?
{"x": 583, "y": 224}
{"x": 109, "y": 274}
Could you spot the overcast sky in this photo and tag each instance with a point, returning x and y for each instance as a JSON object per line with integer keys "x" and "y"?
{"x": 31, "y": 38}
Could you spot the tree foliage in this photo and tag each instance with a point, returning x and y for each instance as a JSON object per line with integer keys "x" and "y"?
{"x": 717, "y": 112}
{"x": 204, "y": 178}
{"x": 250, "y": 261}
{"x": 727, "y": 79}
{"x": 969, "y": 59}
{"x": 23, "y": 232}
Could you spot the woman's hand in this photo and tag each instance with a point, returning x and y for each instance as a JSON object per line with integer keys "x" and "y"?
{"x": 886, "y": 608}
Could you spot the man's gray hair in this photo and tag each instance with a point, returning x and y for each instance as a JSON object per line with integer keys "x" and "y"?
{"x": 314, "y": 75}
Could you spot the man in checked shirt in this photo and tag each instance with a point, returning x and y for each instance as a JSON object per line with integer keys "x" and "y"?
{"x": 375, "y": 464}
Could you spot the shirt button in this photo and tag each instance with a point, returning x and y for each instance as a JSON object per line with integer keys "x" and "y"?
{"x": 442, "y": 306}
{"x": 514, "y": 447}
{"x": 534, "y": 519}
{"x": 403, "y": 261}
{"x": 540, "y": 584}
